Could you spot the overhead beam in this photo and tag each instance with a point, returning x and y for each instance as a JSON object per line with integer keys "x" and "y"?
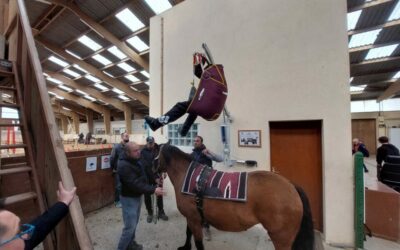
{"x": 98, "y": 28}
{"x": 368, "y": 5}
{"x": 96, "y": 72}
{"x": 77, "y": 109}
{"x": 378, "y": 60}
{"x": 371, "y": 46}
{"x": 381, "y": 71}
{"x": 393, "y": 89}
{"x": 381, "y": 26}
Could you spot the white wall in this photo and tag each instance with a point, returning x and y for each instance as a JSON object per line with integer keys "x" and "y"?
{"x": 284, "y": 61}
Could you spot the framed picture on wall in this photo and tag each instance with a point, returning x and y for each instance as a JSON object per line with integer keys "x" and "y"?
{"x": 249, "y": 138}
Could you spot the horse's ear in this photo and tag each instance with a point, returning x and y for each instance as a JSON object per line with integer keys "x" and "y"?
{"x": 168, "y": 142}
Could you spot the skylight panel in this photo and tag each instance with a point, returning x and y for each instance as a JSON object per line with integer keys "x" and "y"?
{"x": 124, "y": 98}
{"x": 351, "y": 79}
{"x": 129, "y": 19}
{"x": 395, "y": 13}
{"x": 78, "y": 67}
{"x": 88, "y": 42}
{"x": 58, "y": 61}
{"x": 137, "y": 43}
{"x": 60, "y": 97}
{"x": 73, "y": 54}
{"x": 6, "y": 95}
{"x": 63, "y": 87}
{"x": 67, "y": 109}
{"x": 148, "y": 83}
{"x": 92, "y": 78}
{"x": 357, "y": 89}
{"x": 159, "y": 6}
{"x": 100, "y": 87}
{"x": 101, "y": 59}
{"x": 126, "y": 67}
{"x": 116, "y": 52}
{"x": 51, "y": 93}
{"x": 381, "y": 52}
{"x": 118, "y": 91}
{"x": 145, "y": 73}
{"x": 132, "y": 78}
{"x": 54, "y": 80}
{"x": 352, "y": 19}
{"x": 45, "y": 74}
{"x": 397, "y": 75}
{"x": 81, "y": 92}
{"x": 364, "y": 38}
{"x": 71, "y": 73}
{"x": 89, "y": 98}
{"x": 135, "y": 89}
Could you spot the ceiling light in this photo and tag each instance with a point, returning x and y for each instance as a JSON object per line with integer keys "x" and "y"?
{"x": 81, "y": 92}
{"x": 145, "y": 73}
{"x": 159, "y": 6}
{"x": 71, "y": 73}
{"x": 6, "y": 96}
{"x": 54, "y": 80}
{"x": 105, "y": 72}
{"x": 118, "y": 91}
{"x": 135, "y": 89}
{"x": 63, "y": 87}
{"x": 79, "y": 67}
{"x": 116, "y": 52}
{"x": 129, "y": 19}
{"x": 51, "y": 93}
{"x": 73, "y": 54}
{"x": 100, "y": 86}
{"x": 58, "y": 61}
{"x": 137, "y": 43}
{"x": 358, "y": 88}
{"x": 88, "y": 42}
{"x": 124, "y": 98}
{"x": 126, "y": 67}
{"x": 66, "y": 108}
{"x": 89, "y": 98}
{"x": 92, "y": 78}
{"x": 101, "y": 59}
{"x": 132, "y": 78}
{"x": 60, "y": 97}
{"x": 45, "y": 74}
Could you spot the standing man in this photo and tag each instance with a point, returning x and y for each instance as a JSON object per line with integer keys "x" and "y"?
{"x": 115, "y": 153}
{"x": 384, "y": 150}
{"x": 147, "y": 156}
{"x": 204, "y": 156}
{"x": 358, "y": 146}
{"x": 134, "y": 183}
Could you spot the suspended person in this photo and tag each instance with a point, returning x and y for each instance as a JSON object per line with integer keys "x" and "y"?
{"x": 208, "y": 101}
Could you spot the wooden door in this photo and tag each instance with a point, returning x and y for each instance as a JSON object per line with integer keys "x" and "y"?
{"x": 365, "y": 130}
{"x": 296, "y": 153}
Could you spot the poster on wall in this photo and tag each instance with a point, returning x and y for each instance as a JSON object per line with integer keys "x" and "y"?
{"x": 105, "y": 162}
{"x": 91, "y": 164}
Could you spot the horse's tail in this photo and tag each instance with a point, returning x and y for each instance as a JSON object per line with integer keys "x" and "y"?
{"x": 305, "y": 237}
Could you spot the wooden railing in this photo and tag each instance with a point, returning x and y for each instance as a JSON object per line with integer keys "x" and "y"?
{"x": 49, "y": 154}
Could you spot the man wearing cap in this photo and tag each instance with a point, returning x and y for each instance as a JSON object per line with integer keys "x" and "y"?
{"x": 148, "y": 154}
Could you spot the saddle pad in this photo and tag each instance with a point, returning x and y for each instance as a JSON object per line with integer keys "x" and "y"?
{"x": 210, "y": 97}
{"x": 220, "y": 185}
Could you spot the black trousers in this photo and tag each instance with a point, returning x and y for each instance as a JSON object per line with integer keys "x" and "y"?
{"x": 149, "y": 205}
{"x": 177, "y": 111}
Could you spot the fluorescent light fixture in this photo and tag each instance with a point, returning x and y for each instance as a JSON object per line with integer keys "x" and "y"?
{"x": 73, "y": 54}
{"x": 54, "y": 80}
{"x": 90, "y": 98}
{"x": 381, "y": 52}
{"x": 397, "y": 75}
{"x": 364, "y": 38}
{"x": 145, "y": 73}
{"x": 395, "y": 13}
{"x": 81, "y": 92}
{"x": 92, "y": 78}
{"x": 352, "y": 19}
{"x": 100, "y": 86}
{"x": 58, "y": 61}
{"x": 66, "y": 108}
{"x": 132, "y": 78}
{"x": 159, "y": 6}
{"x": 101, "y": 59}
{"x": 63, "y": 87}
{"x": 59, "y": 97}
{"x": 357, "y": 89}
{"x": 45, "y": 74}
{"x": 124, "y": 98}
{"x": 115, "y": 90}
{"x": 71, "y": 73}
{"x": 129, "y": 19}
{"x": 116, "y": 52}
{"x": 51, "y": 93}
{"x": 88, "y": 42}
{"x": 126, "y": 67}
{"x": 137, "y": 43}
{"x": 79, "y": 67}
{"x": 105, "y": 72}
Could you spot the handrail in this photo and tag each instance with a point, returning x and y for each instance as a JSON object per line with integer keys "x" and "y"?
{"x": 55, "y": 140}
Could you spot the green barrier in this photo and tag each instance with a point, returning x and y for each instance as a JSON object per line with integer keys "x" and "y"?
{"x": 359, "y": 199}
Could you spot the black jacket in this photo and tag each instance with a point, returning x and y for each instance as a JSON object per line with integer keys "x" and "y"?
{"x": 115, "y": 154}
{"x": 385, "y": 150}
{"x": 201, "y": 158}
{"x": 134, "y": 181}
{"x": 45, "y": 223}
{"x": 147, "y": 157}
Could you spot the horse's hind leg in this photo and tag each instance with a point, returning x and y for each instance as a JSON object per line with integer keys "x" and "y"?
{"x": 197, "y": 230}
{"x": 187, "y": 245}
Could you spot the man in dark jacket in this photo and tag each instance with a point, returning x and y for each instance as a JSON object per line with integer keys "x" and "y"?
{"x": 383, "y": 151}
{"x": 115, "y": 153}
{"x": 147, "y": 156}
{"x": 134, "y": 184}
{"x": 27, "y": 236}
{"x": 358, "y": 146}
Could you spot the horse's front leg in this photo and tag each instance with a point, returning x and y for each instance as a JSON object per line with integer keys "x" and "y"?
{"x": 187, "y": 245}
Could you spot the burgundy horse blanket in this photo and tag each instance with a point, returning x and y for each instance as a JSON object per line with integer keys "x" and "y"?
{"x": 219, "y": 185}
{"x": 210, "y": 97}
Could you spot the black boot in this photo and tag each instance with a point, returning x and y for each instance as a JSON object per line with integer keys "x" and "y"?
{"x": 153, "y": 123}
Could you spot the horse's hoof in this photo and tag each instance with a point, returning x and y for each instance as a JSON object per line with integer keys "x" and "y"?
{"x": 185, "y": 247}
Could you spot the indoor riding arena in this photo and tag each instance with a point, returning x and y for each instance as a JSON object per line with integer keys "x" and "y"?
{"x": 199, "y": 124}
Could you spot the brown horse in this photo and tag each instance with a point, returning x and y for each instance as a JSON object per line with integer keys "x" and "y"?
{"x": 282, "y": 208}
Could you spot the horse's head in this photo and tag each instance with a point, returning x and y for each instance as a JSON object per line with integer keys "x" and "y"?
{"x": 159, "y": 165}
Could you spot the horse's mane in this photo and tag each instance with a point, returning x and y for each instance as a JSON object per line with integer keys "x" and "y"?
{"x": 169, "y": 152}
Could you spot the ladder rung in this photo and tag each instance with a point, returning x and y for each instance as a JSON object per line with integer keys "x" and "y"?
{"x": 8, "y": 88}
{"x": 10, "y": 125}
{"x": 6, "y": 73}
{"x": 18, "y": 198}
{"x": 9, "y": 105}
{"x": 14, "y": 170}
{"x": 12, "y": 146}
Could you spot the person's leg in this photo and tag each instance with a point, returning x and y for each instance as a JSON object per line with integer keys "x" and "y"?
{"x": 172, "y": 115}
{"x": 207, "y": 232}
{"x": 149, "y": 207}
{"x": 365, "y": 168}
{"x": 117, "y": 190}
{"x": 160, "y": 205}
{"x": 187, "y": 124}
{"x": 130, "y": 216}
{"x": 134, "y": 244}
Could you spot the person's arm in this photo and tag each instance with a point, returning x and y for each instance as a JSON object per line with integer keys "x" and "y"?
{"x": 134, "y": 181}
{"x": 212, "y": 156}
{"x": 379, "y": 156}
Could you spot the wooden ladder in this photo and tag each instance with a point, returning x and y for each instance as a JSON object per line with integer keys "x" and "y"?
{"x": 13, "y": 85}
